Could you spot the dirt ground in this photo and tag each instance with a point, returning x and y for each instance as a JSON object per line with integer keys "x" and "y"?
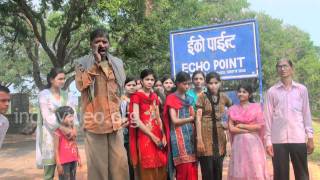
{"x": 17, "y": 160}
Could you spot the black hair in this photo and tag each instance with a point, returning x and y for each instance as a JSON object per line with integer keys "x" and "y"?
{"x": 137, "y": 79}
{"x": 157, "y": 80}
{"x": 146, "y": 72}
{"x": 99, "y": 32}
{"x": 129, "y": 79}
{"x": 212, "y": 75}
{"x": 198, "y": 72}
{"x": 53, "y": 74}
{"x": 4, "y": 89}
{"x": 285, "y": 59}
{"x": 166, "y": 77}
{"x": 182, "y": 77}
{"x": 62, "y": 112}
{"x": 248, "y": 88}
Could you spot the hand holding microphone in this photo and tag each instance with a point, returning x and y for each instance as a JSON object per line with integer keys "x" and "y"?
{"x": 99, "y": 53}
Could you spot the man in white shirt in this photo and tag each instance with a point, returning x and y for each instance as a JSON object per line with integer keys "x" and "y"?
{"x": 4, "y": 105}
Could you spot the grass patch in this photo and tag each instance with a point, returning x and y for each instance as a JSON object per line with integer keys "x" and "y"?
{"x": 316, "y": 114}
{"x": 315, "y": 156}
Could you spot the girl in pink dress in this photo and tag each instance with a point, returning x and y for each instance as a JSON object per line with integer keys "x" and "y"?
{"x": 246, "y": 124}
{"x": 66, "y": 150}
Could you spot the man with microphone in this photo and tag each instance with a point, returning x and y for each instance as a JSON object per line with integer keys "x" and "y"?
{"x": 100, "y": 79}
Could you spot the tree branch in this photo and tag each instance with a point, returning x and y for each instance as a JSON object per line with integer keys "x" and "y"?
{"x": 68, "y": 82}
{"x": 71, "y": 51}
{"x": 71, "y": 70}
{"x": 35, "y": 64}
{"x": 5, "y": 84}
{"x": 68, "y": 28}
{"x": 32, "y": 16}
{"x": 55, "y": 40}
{"x": 77, "y": 24}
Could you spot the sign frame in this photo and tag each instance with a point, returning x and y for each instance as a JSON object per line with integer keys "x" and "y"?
{"x": 255, "y": 30}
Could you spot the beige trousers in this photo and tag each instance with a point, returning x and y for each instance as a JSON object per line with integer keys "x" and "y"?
{"x": 106, "y": 156}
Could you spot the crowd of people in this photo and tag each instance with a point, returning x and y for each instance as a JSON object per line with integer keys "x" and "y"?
{"x": 151, "y": 128}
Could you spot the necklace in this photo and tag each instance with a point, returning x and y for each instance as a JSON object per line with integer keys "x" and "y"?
{"x": 215, "y": 99}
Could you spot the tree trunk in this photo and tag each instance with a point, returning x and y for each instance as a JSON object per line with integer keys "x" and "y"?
{"x": 149, "y": 7}
{"x": 35, "y": 64}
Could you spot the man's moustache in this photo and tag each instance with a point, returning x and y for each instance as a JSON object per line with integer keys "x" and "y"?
{"x": 101, "y": 49}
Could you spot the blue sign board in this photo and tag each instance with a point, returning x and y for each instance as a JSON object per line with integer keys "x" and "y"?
{"x": 232, "y": 50}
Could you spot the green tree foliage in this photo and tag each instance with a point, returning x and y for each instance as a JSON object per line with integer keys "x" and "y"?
{"x": 142, "y": 39}
{"x": 50, "y": 34}
{"x": 278, "y": 40}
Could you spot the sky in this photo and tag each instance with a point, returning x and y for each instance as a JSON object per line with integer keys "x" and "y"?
{"x": 304, "y": 14}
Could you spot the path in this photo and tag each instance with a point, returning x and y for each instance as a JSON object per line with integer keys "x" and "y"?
{"x": 17, "y": 160}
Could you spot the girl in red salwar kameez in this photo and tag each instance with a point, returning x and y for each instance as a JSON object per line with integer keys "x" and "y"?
{"x": 147, "y": 138}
